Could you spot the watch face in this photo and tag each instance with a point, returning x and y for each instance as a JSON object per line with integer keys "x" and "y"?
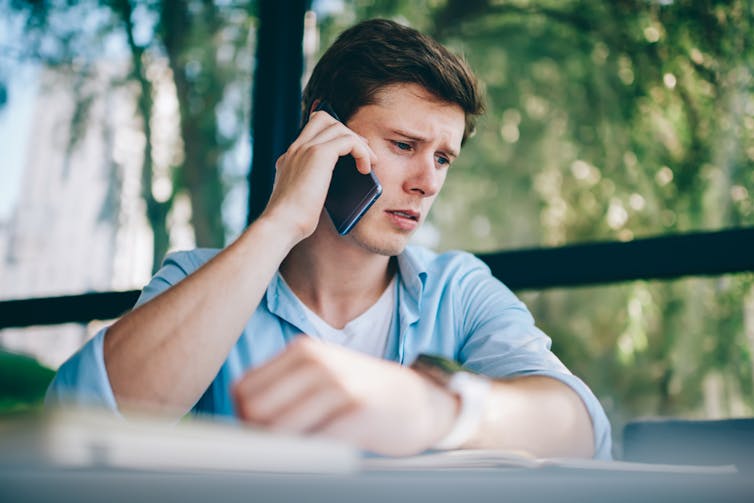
{"x": 446, "y": 364}
{"x": 437, "y": 368}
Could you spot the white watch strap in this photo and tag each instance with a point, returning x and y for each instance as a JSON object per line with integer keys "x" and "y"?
{"x": 473, "y": 392}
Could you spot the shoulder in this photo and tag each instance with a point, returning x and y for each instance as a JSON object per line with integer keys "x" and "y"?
{"x": 188, "y": 261}
{"x": 175, "y": 267}
{"x": 460, "y": 273}
{"x": 449, "y": 263}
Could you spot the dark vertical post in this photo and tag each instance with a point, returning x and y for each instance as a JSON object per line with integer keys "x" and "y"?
{"x": 277, "y": 93}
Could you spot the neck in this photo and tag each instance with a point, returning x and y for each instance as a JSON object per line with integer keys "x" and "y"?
{"x": 334, "y": 276}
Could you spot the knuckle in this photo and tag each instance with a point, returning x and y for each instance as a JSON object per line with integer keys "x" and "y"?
{"x": 247, "y": 410}
{"x": 349, "y": 396}
{"x": 332, "y": 377}
{"x": 254, "y": 411}
{"x": 315, "y": 150}
{"x": 353, "y": 400}
{"x": 305, "y": 349}
{"x": 304, "y": 343}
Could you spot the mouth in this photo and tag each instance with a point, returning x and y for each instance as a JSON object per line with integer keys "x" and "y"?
{"x": 408, "y": 214}
{"x": 404, "y": 220}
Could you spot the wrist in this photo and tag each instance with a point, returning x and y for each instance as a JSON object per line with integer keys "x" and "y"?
{"x": 263, "y": 235}
{"x": 470, "y": 391}
{"x": 274, "y": 225}
{"x": 473, "y": 392}
{"x": 445, "y": 406}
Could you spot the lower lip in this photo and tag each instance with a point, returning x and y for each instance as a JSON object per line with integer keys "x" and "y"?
{"x": 403, "y": 223}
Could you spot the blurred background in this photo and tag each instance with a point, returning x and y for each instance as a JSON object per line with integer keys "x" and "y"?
{"x": 125, "y": 133}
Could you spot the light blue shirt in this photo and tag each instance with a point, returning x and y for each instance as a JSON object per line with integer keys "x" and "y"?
{"x": 447, "y": 304}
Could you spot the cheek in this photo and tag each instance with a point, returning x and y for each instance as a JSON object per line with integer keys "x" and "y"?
{"x": 427, "y": 203}
{"x": 388, "y": 170}
{"x": 430, "y": 200}
{"x": 443, "y": 176}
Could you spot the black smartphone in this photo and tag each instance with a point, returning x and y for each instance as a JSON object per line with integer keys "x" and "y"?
{"x": 351, "y": 193}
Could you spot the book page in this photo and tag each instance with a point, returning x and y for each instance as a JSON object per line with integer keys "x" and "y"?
{"x": 95, "y": 438}
{"x": 491, "y": 458}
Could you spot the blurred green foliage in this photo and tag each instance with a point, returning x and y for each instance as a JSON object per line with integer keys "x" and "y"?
{"x": 23, "y": 382}
{"x": 201, "y": 51}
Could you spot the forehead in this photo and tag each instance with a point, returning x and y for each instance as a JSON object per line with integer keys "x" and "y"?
{"x": 412, "y": 107}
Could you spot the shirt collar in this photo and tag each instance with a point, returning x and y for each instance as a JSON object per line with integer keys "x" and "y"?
{"x": 282, "y": 302}
{"x": 413, "y": 275}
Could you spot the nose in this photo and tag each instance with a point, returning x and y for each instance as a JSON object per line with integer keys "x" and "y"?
{"x": 424, "y": 179}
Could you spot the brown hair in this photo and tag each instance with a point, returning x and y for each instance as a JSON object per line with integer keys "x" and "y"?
{"x": 377, "y": 53}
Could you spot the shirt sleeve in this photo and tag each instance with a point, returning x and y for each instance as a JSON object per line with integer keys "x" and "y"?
{"x": 83, "y": 379}
{"x": 501, "y": 340}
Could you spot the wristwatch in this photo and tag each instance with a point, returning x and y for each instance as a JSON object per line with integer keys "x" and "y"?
{"x": 472, "y": 390}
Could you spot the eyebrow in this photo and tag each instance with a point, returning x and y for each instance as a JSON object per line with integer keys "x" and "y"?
{"x": 447, "y": 150}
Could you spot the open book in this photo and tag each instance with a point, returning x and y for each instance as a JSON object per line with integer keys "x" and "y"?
{"x": 489, "y": 458}
{"x": 95, "y": 438}
{"x": 86, "y": 438}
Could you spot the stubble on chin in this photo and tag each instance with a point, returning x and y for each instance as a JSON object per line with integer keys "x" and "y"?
{"x": 379, "y": 243}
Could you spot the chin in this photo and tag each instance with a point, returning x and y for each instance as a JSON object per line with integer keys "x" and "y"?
{"x": 387, "y": 243}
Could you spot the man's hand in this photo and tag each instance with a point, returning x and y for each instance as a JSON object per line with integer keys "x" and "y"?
{"x": 317, "y": 388}
{"x": 305, "y": 169}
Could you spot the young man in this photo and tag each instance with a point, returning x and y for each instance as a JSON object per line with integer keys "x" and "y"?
{"x": 221, "y": 332}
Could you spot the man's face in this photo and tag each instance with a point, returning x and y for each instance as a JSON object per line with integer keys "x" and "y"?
{"x": 415, "y": 137}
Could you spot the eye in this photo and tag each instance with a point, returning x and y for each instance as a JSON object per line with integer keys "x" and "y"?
{"x": 443, "y": 161}
{"x": 402, "y": 145}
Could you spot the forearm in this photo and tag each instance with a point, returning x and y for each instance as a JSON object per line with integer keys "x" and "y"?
{"x": 166, "y": 352}
{"x": 536, "y": 414}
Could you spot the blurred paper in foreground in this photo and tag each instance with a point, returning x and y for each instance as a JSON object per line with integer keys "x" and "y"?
{"x": 93, "y": 438}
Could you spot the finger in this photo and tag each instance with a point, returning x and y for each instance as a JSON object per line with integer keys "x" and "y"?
{"x": 327, "y": 129}
{"x": 255, "y": 381}
{"x": 366, "y": 142}
{"x": 345, "y": 424}
{"x": 297, "y": 363}
{"x": 281, "y": 160}
{"x": 265, "y": 406}
{"x": 365, "y": 159}
{"x": 319, "y": 405}
{"x": 318, "y": 121}
{"x": 349, "y": 143}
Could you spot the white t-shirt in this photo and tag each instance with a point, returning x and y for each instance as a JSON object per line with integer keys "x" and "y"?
{"x": 367, "y": 333}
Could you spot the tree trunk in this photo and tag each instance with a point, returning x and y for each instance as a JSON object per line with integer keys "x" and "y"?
{"x": 157, "y": 211}
{"x": 198, "y": 98}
